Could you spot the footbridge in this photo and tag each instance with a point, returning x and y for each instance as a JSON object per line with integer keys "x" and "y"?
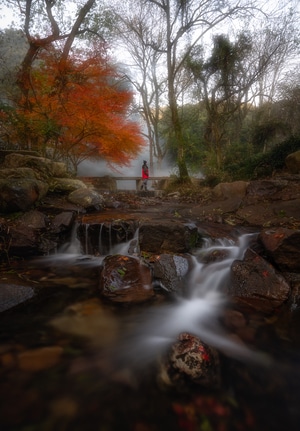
{"x": 116, "y": 183}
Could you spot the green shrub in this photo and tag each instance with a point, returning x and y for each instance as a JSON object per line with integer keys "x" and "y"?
{"x": 263, "y": 164}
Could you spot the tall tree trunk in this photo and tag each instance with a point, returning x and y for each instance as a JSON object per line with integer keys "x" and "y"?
{"x": 175, "y": 119}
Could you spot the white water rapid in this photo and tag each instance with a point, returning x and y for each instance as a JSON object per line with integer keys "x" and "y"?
{"x": 199, "y": 311}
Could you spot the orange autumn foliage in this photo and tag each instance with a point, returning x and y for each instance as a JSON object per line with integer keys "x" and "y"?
{"x": 79, "y": 109}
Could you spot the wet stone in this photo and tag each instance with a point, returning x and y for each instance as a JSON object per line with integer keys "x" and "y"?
{"x": 12, "y": 295}
{"x": 189, "y": 359}
{"x": 124, "y": 279}
{"x": 39, "y": 359}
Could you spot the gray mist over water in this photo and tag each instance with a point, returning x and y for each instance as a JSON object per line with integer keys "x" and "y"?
{"x": 99, "y": 169}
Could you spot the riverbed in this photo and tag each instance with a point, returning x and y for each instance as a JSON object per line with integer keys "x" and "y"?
{"x": 72, "y": 361}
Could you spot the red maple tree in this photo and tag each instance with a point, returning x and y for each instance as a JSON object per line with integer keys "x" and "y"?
{"x": 78, "y": 109}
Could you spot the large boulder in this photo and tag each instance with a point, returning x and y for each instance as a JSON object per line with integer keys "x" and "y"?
{"x": 86, "y": 198}
{"x": 66, "y": 185}
{"x": 124, "y": 279}
{"x": 262, "y": 190}
{"x": 236, "y": 189}
{"x": 33, "y": 233}
{"x": 292, "y": 162}
{"x": 169, "y": 271}
{"x": 6, "y": 173}
{"x": 167, "y": 237}
{"x": 28, "y": 235}
{"x": 283, "y": 247}
{"x": 19, "y": 194}
{"x": 256, "y": 283}
{"x": 45, "y": 167}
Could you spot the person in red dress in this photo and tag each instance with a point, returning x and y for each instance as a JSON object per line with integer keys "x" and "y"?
{"x": 145, "y": 175}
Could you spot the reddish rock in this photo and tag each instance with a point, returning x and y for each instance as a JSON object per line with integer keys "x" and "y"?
{"x": 256, "y": 283}
{"x": 170, "y": 271}
{"x": 259, "y": 191}
{"x": 235, "y": 189}
{"x": 164, "y": 237}
{"x": 39, "y": 359}
{"x": 19, "y": 194}
{"x": 189, "y": 359}
{"x": 125, "y": 279}
{"x": 282, "y": 246}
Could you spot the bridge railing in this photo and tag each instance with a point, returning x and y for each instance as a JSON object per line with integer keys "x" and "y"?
{"x": 110, "y": 183}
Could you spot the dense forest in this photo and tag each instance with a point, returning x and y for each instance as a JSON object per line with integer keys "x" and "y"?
{"x": 209, "y": 86}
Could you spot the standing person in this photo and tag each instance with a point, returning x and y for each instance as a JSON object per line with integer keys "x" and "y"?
{"x": 145, "y": 175}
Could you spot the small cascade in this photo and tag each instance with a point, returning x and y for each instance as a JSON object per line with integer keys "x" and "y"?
{"x": 109, "y": 238}
{"x": 86, "y": 239}
{"x": 197, "y": 312}
{"x": 212, "y": 265}
{"x": 130, "y": 247}
{"x": 74, "y": 245}
{"x": 106, "y": 238}
{"x": 100, "y": 245}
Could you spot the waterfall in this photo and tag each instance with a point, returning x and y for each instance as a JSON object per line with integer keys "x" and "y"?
{"x": 73, "y": 246}
{"x": 197, "y": 311}
{"x": 131, "y": 246}
{"x": 100, "y": 245}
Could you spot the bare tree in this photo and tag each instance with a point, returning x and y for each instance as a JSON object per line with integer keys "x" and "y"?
{"x": 53, "y": 34}
{"x": 137, "y": 34}
{"x": 185, "y": 24}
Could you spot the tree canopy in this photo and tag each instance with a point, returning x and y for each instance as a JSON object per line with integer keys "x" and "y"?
{"x": 204, "y": 76}
{"x": 72, "y": 103}
{"x": 78, "y": 109}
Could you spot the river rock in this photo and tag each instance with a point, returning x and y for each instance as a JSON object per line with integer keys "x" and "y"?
{"x": 41, "y": 358}
{"x": 282, "y": 246}
{"x": 19, "y": 194}
{"x": 6, "y": 173}
{"x": 12, "y": 295}
{"x": 172, "y": 237}
{"x": 46, "y": 167}
{"x": 124, "y": 279}
{"x": 66, "y": 185}
{"x": 261, "y": 190}
{"x": 63, "y": 221}
{"x": 169, "y": 271}
{"x": 236, "y": 189}
{"x": 88, "y": 319}
{"x": 86, "y": 198}
{"x": 28, "y": 235}
{"x": 256, "y": 283}
{"x": 189, "y": 360}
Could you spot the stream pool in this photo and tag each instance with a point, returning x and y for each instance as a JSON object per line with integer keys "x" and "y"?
{"x": 70, "y": 361}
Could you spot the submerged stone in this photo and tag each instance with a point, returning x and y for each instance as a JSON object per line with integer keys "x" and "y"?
{"x": 125, "y": 279}
{"x": 12, "y": 295}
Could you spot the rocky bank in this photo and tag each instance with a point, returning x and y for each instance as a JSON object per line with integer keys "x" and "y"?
{"x": 41, "y": 208}
{"x": 40, "y": 204}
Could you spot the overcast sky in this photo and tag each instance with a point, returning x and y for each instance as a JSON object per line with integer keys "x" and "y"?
{"x": 6, "y": 21}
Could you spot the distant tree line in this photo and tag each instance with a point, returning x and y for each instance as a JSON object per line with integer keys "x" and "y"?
{"x": 215, "y": 84}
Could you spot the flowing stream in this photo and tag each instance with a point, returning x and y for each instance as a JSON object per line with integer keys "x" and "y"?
{"x": 196, "y": 310}
{"x": 105, "y": 381}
